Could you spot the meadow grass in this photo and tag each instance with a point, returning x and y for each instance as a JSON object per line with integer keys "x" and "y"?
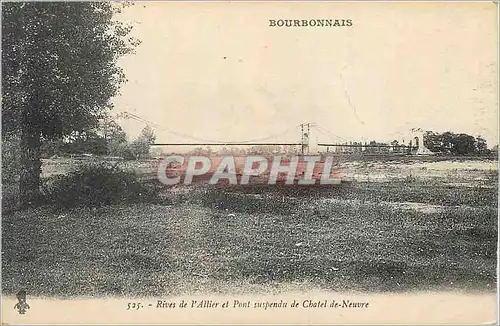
{"x": 241, "y": 239}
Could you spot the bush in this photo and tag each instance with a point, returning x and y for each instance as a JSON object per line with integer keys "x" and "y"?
{"x": 98, "y": 184}
{"x": 410, "y": 179}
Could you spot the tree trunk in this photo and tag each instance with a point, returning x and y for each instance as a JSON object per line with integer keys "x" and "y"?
{"x": 31, "y": 167}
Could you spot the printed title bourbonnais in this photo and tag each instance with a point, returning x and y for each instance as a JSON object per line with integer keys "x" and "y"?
{"x": 310, "y": 23}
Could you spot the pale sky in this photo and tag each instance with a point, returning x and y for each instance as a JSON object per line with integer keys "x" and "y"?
{"x": 217, "y": 71}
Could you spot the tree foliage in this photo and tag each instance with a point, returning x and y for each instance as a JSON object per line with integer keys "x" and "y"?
{"x": 59, "y": 64}
{"x": 457, "y": 144}
{"x": 59, "y": 73}
{"x": 142, "y": 145}
{"x": 148, "y": 135}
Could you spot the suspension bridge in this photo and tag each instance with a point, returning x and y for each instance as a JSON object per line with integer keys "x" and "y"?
{"x": 301, "y": 133}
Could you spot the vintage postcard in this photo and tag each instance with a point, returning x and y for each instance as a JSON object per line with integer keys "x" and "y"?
{"x": 249, "y": 162}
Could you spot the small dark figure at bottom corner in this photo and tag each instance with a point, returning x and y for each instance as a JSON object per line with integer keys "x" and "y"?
{"x": 21, "y": 304}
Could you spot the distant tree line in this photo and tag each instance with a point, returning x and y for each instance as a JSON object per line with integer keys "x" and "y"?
{"x": 456, "y": 144}
{"x": 107, "y": 139}
{"x": 446, "y": 143}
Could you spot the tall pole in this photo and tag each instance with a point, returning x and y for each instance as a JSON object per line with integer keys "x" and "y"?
{"x": 308, "y": 137}
{"x": 302, "y": 138}
{"x": 305, "y": 138}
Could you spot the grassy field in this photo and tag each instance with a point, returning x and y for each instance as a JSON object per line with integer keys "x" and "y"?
{"x": 424, "y": 231}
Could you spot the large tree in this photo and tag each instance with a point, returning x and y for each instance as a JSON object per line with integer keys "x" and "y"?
{"x": 59, "y": 72}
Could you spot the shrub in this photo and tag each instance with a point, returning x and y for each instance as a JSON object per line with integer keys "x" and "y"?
{"x": 98, "y": 184}
{"x": 410, "y": 179}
